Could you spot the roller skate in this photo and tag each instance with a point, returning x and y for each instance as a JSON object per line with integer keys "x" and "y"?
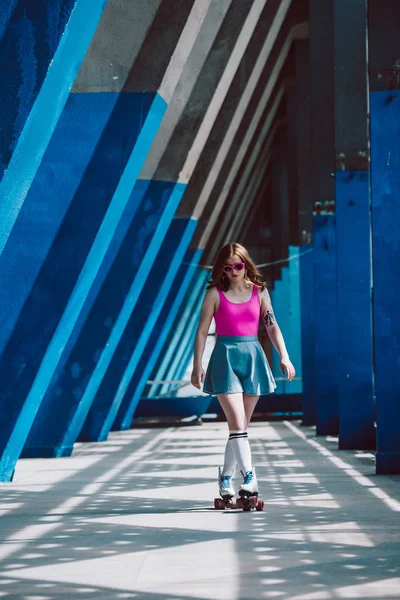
{"x": 248, "y": 492}
{"x": 226, "y": 492}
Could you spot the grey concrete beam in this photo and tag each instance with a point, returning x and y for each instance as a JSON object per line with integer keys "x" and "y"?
{"x": 255, "y": 15}
{"x": 198, "y": 88}
{"x": 228, "y": 175}
{"x": 260, "y": 196}
{"x": 229, "y": 112}
{"x": 249, "y": 203}
{"x": 236, "y": 200}
{"x": 351, "y": 86}
{"x": 153, "y": 58}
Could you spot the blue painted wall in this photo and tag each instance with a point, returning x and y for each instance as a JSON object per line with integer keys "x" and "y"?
{"x": 128, "y": 353}
{"x": 30, "y": 33}
{"x": 385, "y": 167}
{"x": 42, "y": 48}
{"x": 179, "y": 331}
{"x": 185, "y": 331}
{"x": 63, "y": 412}
{"x": 160, "y": 335}
{"x": 58, "y": 266}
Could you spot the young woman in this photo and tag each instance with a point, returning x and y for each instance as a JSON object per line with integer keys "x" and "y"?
{"x": 238, "y": 371}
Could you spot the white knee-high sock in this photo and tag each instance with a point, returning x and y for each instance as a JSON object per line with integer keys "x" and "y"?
{"x": 241, "y": 448}
{"x": 229, "y": 460}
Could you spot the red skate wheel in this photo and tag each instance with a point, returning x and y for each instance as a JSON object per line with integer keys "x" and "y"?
{"x": 239, "y": 503}
{"x": 260, "y": 505}
{"x": 253, "y": 500}
{"x": 219, "y": 504}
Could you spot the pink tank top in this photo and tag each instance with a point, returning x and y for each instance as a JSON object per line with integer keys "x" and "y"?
{"x": 239, "y": 319}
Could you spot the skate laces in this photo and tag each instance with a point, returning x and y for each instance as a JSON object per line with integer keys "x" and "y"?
{"x": 248, "y": 478}
{"x": 225, "y": 481}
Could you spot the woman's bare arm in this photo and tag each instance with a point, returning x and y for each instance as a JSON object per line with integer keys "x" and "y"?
{"x": 210, "y": 304}
{"x": 275, "y": 334}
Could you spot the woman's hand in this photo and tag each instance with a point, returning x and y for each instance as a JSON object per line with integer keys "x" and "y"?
{"x": 197, "y": 377}
{"x": 287, "y": 368}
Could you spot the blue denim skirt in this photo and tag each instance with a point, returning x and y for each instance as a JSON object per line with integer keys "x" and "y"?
{"x": 238, "y": 365}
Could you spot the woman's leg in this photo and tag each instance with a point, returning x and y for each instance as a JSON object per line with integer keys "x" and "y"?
{"x": 250, "y": 402}
{"x": 237, "y": 448}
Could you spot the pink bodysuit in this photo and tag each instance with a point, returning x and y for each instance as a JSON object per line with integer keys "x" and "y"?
{"x": 239, "y": 319}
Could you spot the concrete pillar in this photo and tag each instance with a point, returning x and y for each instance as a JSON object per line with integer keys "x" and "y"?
{"x": 160, "y": 335}
{"x": 384, "y": 56}
{"x": 324, "y": 226}
{"x": 353, "y": 228}
{"x": 115, "y": 383}
{"x": 243, "y": 90}
{"x": 42, "y": 48}
{"x": 187, "y": 330}
{"x": 93, "y": 169}
{"x": 300, "y": 216}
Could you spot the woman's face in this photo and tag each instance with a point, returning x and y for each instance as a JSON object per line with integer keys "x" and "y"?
{"x": 234, "y": 268}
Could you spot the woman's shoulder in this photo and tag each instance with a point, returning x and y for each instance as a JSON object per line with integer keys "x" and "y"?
{"x": 212, "y": 294}
{"x": 261, "y": 290}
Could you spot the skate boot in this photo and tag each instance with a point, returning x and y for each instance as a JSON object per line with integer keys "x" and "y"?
{"x": 248, "y": 492}
{"x": 226, "y": 491}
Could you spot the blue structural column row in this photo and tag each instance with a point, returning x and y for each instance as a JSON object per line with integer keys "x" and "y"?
{"x": 176, "y": 348}
{"x": 384, "y": 50}
{"x": 353, "y": 228}
{"x": 160, "y": 338}
{"x": 94, "y": 169}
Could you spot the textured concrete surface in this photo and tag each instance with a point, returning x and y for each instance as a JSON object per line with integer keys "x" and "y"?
{"x": 133, "y": 518}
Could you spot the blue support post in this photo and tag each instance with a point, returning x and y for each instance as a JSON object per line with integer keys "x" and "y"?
{"x": 326, "y": 337}
{"x": 190, "y": 321}
{"x": 159, "y": 336}
{"x": 385, "y": 165}
{"x": 353, "y": 227}
{"x": 43, "y": 46}
{"x": 71, "y": 251}
{"x": 175, "y": 346}
{"x": 308, "y": 334}
{"x": 114, "y": 384}
{"x": 354, "y": 311}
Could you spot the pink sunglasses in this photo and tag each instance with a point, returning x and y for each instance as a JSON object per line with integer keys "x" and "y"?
{"x": 236, "y": 267}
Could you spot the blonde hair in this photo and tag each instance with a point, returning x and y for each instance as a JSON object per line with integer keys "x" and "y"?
{"x": 218, "y": 277}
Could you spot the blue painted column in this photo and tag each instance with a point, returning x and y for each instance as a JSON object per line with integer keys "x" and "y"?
{"x": 126, "y": 358}
{"x": 173, "y": 350}
{"x": 326, "y": 336}
{"x": 385, "y": 163}
{"x": 353, "y": 228}
{"x": 308, "y": 334}
{"x": 160, "y": 335}
{"x": 324, "y": 220}
{"x": 354, "y": 311}
{"x": 190, "y": 321}
{"x": 42, "y": 46}
{"x": 384, "y": 50}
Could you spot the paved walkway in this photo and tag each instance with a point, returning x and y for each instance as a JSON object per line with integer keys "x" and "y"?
{"x": 133, "y": 518}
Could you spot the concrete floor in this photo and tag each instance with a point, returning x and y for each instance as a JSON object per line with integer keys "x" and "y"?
{"x": 133, "y": 518}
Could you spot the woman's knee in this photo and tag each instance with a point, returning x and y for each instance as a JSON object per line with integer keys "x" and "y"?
{"x": 233, "y": 407}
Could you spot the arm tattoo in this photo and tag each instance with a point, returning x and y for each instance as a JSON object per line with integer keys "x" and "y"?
{"x": 269, "y": 318}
